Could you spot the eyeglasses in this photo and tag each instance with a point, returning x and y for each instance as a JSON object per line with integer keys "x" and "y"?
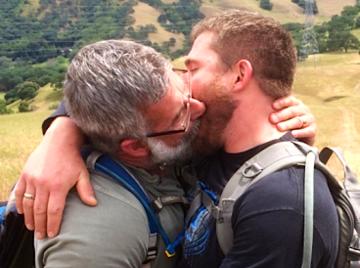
{"x": 184, "y": 118}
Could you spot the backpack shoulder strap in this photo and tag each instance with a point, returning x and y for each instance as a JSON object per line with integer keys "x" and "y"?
{"x": 345, "y": 190}
{"x": 273, "y": 158}
{"x": 106, "y": 165}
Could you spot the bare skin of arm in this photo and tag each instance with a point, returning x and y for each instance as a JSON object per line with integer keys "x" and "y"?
{"x": 56, "y": 166}
{"x": 52, "y": 169}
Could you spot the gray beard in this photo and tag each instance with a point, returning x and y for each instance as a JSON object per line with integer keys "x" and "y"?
{"x": 163, "y": 153}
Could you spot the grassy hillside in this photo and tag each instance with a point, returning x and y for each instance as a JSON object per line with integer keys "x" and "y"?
{"x": 31, "y": 7}
{"x": 330, "y": 85}
{"x": 283, "y": 10}
{"x": 20, "y": 133}
{"x": 145, "y": 14}
{"x": 356, "y": 33}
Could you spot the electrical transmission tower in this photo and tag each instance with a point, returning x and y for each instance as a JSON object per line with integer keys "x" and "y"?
{"x": 309, "y": 44}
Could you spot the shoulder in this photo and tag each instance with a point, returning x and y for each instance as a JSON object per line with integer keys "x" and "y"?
{"x": 284, "y": 189}
{"x": 114, "y": 233}
{"x": 278, "y": 190}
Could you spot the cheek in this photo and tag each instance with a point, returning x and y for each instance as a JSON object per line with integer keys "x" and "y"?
{"x": 196, "y": 87}
{"x": 199, "y": 86}
{"x": 172, "y": 140}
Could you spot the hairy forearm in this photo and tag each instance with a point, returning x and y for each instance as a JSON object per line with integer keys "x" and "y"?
{"x": 63, "y": 129}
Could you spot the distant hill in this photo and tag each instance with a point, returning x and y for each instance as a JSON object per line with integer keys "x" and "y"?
{"x": 38, "y": 36}
{"x": 38, "y": 30}
{"x": 283, "y": 10}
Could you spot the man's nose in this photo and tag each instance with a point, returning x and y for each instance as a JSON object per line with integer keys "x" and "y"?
{"x": 197, "y": 109}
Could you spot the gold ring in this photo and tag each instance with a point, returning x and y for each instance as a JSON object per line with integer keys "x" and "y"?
{"x": 29, "y": 196}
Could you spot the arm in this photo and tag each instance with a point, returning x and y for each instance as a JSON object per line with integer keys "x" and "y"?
{"x": 293, "y": 115}
{"x": 52, "y": 169}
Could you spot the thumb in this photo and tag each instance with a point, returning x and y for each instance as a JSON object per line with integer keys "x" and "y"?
{"x": 85, "y": 189}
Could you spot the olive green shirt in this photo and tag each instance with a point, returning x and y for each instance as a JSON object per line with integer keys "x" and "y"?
{"x": 115, "y": 233}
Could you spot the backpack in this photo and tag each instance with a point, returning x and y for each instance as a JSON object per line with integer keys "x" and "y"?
{"x": 17, "y": 243}
{"x": 281, "y": 155}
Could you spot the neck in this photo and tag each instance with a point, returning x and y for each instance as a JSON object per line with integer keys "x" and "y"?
{"x": 250, "y": 125}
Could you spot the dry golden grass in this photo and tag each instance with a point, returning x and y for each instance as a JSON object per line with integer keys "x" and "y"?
{"x": 283, "y": 10}
{"x": 30, "y": 7}
{"x": 330, "y": 85}
{"x": 145, "y": 14}
{"x": 19, "y": 134}
{"x": 356, "y": 33}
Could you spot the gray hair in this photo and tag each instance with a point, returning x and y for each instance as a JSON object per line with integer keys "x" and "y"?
{"x": 108, "y": 84}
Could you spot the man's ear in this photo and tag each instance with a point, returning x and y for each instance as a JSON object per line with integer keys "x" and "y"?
{"x": 134, "y": 148}
{"x": 244, "y": 71}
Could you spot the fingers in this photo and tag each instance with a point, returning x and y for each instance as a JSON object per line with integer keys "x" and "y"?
{"x": 307, "y": 134}
{"x": 55, "y": 211}
{"x": 285, "y": 102}
{"x": 19, "y": 194}
{"x": 40, "y": 212}
{"x": 28, "y": 204}
{"x": 296, "y": 122}
{"x": 85, "y": 189}
{"x": 289, "y": 113}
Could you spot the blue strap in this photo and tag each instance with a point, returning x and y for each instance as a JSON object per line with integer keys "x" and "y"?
{"x": 108, "y": 166}
{"x": 213, "y": 196}
{"x": 2, "y": 214}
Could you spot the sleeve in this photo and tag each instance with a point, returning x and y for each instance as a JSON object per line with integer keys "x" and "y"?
{"x": 60, "y": 111}
{"x": 267, "y": 228}
{"x": 112, "y": 234}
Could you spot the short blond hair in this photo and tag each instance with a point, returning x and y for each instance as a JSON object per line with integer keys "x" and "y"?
{"x": 264, "y": 42}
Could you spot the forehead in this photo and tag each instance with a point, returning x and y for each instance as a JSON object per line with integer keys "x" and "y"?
{"x": 202, "y": 50}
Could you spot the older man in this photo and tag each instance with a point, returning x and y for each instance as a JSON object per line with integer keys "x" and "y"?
{"x": 124, "y": 97}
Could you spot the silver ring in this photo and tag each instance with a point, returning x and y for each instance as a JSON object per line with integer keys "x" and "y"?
{"x": 29, "y": 196}
{"x": 302, "y": 122}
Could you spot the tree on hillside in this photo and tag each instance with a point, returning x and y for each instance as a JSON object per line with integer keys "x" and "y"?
{"x": 24, "y": 106}
{"x": 266, "y": 4}
{"x": 24, "y": 91}
{"x": 3, "y": 109}
{"x": 342, "y": 40}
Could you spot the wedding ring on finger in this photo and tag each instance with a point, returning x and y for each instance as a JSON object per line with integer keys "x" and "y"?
{"x": 29, "y": 196}
{"x": 302, "y": 122}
